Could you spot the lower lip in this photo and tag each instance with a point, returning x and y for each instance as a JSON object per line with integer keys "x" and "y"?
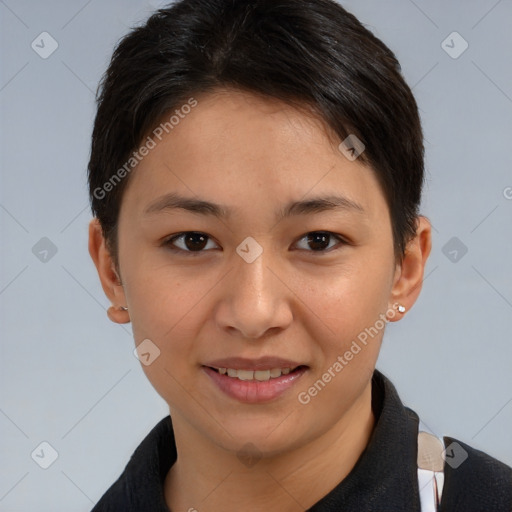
{"x": 252, "y": 391}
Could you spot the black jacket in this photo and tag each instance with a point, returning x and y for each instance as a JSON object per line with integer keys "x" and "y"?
{"x": 383, "y": 479}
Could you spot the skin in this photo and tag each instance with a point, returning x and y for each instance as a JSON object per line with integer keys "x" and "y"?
{"x": 256, "y": 155}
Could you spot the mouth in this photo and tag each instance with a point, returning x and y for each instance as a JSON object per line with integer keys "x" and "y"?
{"x": 256, "y": 375}
{"x": 254, "y": 386}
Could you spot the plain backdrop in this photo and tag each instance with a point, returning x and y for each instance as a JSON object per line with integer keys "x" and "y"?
{"x": 68, "y": 375}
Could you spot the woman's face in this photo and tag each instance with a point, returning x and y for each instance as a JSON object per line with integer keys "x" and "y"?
{"x": 251, "y": 284}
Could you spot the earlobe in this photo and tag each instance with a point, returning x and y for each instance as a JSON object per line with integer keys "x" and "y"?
{"x": 109, "y": 278}
{"x": 409, "y": 275}
{"x": 118, "y": 315}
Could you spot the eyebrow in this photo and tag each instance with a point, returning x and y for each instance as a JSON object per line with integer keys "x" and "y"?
{"x": 314, "y": 205}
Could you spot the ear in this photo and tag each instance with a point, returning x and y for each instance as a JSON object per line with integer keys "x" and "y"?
{"x": 408, "y": 278}
{"x": 109, "y": 278}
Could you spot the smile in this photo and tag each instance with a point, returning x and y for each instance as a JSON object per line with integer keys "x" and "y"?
{"x": 254, "y": 386}
{"x": 259, "y": 375}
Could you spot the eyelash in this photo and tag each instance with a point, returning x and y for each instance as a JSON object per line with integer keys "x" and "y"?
{"x": 168, "y": 243}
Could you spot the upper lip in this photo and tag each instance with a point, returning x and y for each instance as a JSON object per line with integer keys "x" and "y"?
{"x": 262, "y": 363}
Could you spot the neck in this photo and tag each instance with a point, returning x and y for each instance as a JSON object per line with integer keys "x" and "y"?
{"x": 208, "y": 478}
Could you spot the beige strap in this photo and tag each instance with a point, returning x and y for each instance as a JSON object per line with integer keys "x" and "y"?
{"x": 430, "y": 471}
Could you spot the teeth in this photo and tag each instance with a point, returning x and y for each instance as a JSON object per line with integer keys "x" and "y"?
{"x": 260, "y": 375}
{"x": 245, "y": 374}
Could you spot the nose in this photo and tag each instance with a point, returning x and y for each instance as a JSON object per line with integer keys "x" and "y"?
{"x": 254, "y": 301}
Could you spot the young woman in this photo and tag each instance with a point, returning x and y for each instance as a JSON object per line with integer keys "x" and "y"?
{"x": 255, "y": 177}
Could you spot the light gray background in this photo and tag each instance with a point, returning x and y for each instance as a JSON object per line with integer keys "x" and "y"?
{"x": 68, "y": 375}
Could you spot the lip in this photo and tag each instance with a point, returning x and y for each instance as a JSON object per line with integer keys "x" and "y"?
{"x": 252, "y": 391}
{"x": 262, "y": 363}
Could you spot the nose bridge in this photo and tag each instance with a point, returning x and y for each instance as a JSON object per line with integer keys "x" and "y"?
{"x": 253, "y": 279}
{"x": 256, "y": 301}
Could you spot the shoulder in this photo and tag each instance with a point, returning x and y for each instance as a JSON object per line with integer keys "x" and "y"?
{"x": 139, "y": 487}
{"x": 474, "y": 481}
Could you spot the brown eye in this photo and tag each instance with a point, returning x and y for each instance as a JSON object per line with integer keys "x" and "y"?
{"x": 189, "y": 242}
{"x": 320, "y": 241}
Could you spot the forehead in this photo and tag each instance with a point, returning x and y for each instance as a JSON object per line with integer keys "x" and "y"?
{"x": 255, "y": 119}
{"x": 236, "y": 147}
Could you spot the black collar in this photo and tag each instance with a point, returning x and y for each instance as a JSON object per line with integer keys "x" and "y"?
{"x": 384, "y": 477}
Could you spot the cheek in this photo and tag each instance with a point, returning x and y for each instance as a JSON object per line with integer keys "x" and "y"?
{"x": 164, "y": 298}
{"x": 351, "y": 305}
{"x": 167, "y": 309}
{"x": 170, "y": 321}
{"x": 349, "y": 298}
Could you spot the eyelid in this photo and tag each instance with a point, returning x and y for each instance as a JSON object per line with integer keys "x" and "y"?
{"x": 341, "y": 241}
{"x": 168, "y": 242}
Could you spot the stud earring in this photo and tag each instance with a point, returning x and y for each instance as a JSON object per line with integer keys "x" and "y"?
{"x": 122, "y": 308}
{"x": 400, "y": 308}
